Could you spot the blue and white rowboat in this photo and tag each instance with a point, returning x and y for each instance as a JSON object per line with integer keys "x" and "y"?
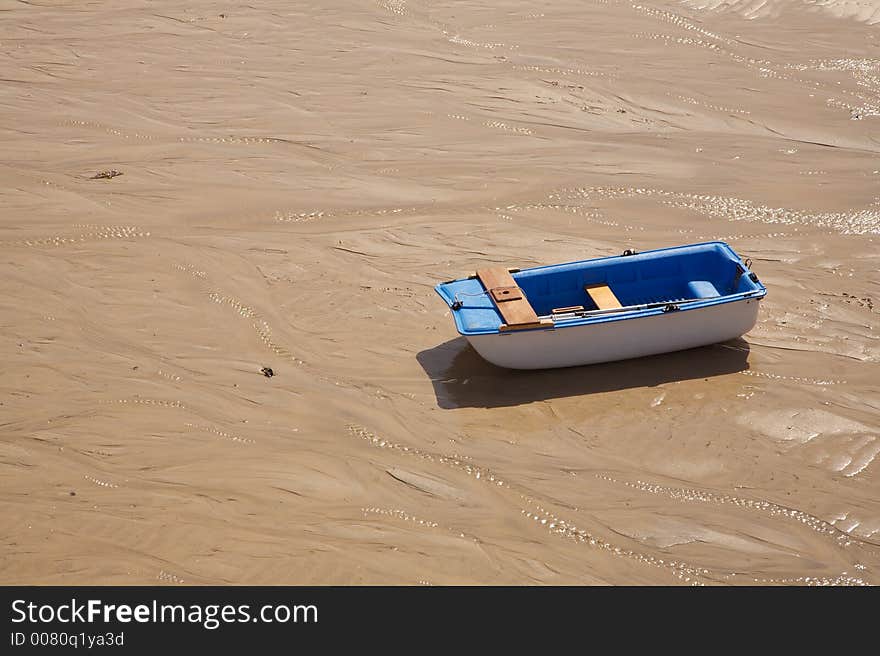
{"x": 605, "y": 309}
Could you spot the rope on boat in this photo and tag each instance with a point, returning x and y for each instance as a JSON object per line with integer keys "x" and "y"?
{"x": 456, "y": 301}
{"x": 457, "y": 304}
{"x": 740, "y": 271}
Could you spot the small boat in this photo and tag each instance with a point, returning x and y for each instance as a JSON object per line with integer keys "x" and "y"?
{"x": 606, "y": 309}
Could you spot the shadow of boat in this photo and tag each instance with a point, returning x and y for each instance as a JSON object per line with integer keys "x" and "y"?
{"x": 462, "y": 379}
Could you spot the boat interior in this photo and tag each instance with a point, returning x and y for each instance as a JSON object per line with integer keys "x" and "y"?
{"x": 665, "y": 276}
{"x": 671, "y": 275}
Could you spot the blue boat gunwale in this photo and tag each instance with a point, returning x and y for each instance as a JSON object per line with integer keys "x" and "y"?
{"x": 579, "y": 321}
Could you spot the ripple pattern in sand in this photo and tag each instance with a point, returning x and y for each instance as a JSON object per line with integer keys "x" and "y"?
{"x": 536, "y": 511}
{"x": 99, "y": 234}
{"x": 852, "y": 222}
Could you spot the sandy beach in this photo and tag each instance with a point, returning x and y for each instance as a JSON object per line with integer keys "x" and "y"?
{"x": 193, "y": 191}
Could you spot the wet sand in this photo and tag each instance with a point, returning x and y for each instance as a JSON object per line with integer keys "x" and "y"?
{"x": 295, "y": 179}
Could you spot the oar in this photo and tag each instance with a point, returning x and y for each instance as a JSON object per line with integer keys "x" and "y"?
{"x": 625, "y": 308}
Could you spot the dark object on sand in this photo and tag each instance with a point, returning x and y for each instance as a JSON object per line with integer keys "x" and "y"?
{"x": 267, "y": 372}
{"x": 105, "y": 175}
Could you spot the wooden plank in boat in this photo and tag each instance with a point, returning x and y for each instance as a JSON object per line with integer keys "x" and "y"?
{"x": 602, "y": 296}
{"x": 542, "y": 323}
{"x": 513, "y": 306}
{"x": 570, "y": 308}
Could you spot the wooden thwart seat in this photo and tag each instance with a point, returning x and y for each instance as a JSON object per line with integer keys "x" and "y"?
{"x": 512, "y": 304}
{"x": 602, "y": 296}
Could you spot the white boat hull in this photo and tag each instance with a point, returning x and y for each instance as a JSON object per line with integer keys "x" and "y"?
{"x": 619, "y": 339}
